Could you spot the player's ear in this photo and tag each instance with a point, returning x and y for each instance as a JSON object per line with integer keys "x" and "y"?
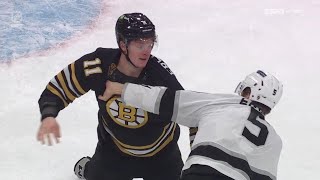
{"x": 123, "y": 47}
{"x": 246, "y": 93}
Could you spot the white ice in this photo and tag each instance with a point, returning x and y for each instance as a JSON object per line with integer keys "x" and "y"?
{"x": 210, "y": 45}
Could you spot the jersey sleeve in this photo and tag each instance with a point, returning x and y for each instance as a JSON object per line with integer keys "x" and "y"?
{"x": 154, "y": 99}
{"x": 70, "y": 83}
{"x": 145, "y": 97}
{"x": 181, "y": 106}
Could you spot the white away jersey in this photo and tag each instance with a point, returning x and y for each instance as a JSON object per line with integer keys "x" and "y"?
{"x": 232, "y": 136}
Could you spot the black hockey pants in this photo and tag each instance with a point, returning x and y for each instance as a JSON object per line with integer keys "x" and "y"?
{"x": 108, "y": 163}
{"x": 201, "y": 172}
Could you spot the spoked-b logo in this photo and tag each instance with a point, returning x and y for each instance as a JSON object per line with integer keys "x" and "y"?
{"x": 127, "y": 116}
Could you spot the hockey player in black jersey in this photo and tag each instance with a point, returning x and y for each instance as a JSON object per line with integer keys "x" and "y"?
{"x": 234, "y": 141}
{"x": 131, "y": 142}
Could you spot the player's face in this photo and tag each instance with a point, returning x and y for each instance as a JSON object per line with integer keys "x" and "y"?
{"x": 246, "y": 93}
{"x": 140, "y": 51}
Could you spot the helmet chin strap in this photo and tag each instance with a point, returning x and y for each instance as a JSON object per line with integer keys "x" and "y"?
{"x": 127, "y": 57}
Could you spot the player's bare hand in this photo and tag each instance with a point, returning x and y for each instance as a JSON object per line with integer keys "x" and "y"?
{"x": 112, "y": 88}
{"x": 49, "y": 130}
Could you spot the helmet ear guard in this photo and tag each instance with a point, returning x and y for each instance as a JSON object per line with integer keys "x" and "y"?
{"x": 265, "y": 88}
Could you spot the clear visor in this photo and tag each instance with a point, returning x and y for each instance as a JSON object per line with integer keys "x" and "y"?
{"x": 143, "y": 44}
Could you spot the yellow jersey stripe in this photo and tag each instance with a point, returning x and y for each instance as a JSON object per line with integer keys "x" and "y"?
{"x": 138, "y": 147}
{"x": 152, "y": 153}
{"x": 75, "y": 80}
{"x": 66, "y": 72}
{"x": 65, "y": 88}
{"x": 57, "y": 93}
{"x": 144, "y": 147}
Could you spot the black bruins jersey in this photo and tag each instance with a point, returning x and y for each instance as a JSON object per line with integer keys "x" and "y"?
{"x": 134, "y": 131}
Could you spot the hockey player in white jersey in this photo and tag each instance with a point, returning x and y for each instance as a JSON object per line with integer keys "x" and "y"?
{"x": 234, "y": 141}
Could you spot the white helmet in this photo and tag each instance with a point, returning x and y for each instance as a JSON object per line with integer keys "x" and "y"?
{"x": 265, "y": 88}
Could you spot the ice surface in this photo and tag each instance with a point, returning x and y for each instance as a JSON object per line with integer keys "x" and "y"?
{"x": 210, "y": 45}
{"x": 29, "y": 26}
